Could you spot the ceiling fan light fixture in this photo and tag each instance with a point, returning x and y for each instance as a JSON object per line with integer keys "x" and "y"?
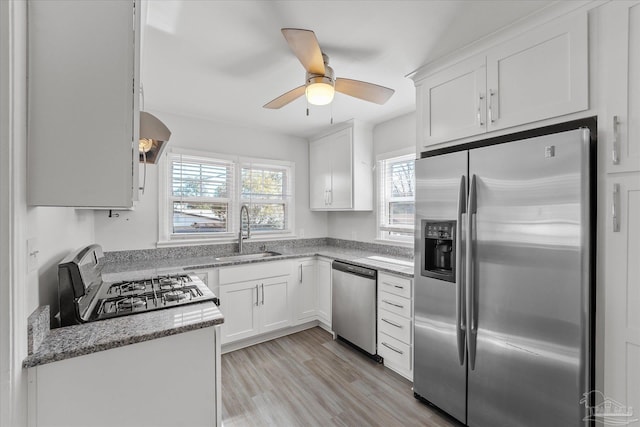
{"x": 320, "y": 88}
{"x": 320, "y": 93}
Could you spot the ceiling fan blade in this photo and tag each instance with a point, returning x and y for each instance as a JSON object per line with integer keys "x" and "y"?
{"x": 286, "y": 98}
{"x": 363, "y": 90}
{"x": 305, "y": 46}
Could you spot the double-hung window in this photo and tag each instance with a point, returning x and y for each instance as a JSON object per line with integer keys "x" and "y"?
{"x": 266, "y": 190}
{"x": 203, "y": 193}
{"x": 396, "y": 197}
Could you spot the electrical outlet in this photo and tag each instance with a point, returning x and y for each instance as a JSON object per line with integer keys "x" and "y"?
{"x": 354, "y": 235}
{"x": 32, "y": 254}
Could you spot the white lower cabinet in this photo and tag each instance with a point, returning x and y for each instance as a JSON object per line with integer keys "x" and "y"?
{"x": 395, "y": 319}
{"x": 306, "y": 291}
{"x": 106, "y": 389}
{"x": 324, "y": 291}
{"x": 255, "y": 299}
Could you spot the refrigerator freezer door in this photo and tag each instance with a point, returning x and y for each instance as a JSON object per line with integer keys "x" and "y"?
{"x": 439, "y": 376}
{"x": 530, "y": 282}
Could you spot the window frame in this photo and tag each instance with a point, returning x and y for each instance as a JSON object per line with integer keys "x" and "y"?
{"x": 384, "y": 230}
{"x": 166, "y": 237}
{"x": 287, "y": 198}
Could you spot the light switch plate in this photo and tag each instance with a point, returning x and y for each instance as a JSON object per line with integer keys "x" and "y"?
{"x": 32, "y": 254}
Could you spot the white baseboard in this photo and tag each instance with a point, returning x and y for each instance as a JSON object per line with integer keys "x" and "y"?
{"x": 237, "y": 345}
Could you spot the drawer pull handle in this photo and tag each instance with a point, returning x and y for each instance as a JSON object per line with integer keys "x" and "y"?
{"x": 392, "y": 348}
{"x": 392, "y": 303}
{"x": 398, "y": 286}
{"x": 397, "y": 325}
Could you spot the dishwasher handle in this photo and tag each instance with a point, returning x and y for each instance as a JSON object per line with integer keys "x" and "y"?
{"x": 354, "y": 269}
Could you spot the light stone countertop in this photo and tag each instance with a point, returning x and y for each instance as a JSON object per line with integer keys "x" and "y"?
{"x": 72, "y": 341}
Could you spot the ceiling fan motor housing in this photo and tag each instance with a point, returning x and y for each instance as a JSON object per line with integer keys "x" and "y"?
{"x": 328, "y": 77}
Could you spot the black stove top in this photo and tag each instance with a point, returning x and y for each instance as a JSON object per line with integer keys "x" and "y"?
{"x": 84, "y": 297}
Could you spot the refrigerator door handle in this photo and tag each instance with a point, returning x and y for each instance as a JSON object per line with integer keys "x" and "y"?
{"x": 460, "y": 322}
{"x": 469, "y": 279}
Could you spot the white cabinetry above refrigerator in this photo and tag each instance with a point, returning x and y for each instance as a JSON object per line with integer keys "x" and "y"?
{"x": 540, "y": 74}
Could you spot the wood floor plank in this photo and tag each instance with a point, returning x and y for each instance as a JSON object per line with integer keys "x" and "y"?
{"x": 308, "y": 379}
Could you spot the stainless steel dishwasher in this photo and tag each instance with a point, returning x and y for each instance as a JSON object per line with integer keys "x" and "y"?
{"x": 354, "y": 305}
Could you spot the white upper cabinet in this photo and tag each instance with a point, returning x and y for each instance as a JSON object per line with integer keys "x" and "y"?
{"x": 452, "y": 103}
{"x": 83, "y": 103}
{"x": 543, "y": 73}
{"x": 340, "y": 169}
{"x": 540, "y": 74}
{"x": 620, "y": 68}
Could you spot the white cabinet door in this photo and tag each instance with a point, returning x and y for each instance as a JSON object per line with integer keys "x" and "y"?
{"x": 341, "y": 192}
{"x": 109, "y": 389}
{"x": 324, "y": 291}
{"x": 540, "y": 74}
{"x": 340, "y": 169}
{"x": 622, "y": 293}
{"x": 319, "y": 173}
{"x": 452, "y": 103}
{"x": 83, "y": 103}
{"x": 239, "y": 303}
{"x": 306, "y": 291}
{"x": 620, "y": 76}
{"x": 275, "y": 310}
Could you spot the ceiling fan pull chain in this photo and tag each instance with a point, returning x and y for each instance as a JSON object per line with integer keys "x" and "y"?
{"x": 331, "y": 106}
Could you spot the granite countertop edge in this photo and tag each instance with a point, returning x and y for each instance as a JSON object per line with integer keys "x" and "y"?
{"x": 79, "y": 340}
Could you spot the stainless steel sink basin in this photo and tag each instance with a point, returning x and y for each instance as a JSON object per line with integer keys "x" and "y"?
{"x": 247, "y": 257}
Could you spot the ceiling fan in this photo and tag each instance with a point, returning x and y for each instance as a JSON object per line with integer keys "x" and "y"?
{"x": 321, "y": 84}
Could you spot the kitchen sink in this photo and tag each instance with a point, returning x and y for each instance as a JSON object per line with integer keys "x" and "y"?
{"x": 247, "y": 257}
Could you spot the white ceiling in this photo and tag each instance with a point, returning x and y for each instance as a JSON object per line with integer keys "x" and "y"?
{"x": 223, "y": 60}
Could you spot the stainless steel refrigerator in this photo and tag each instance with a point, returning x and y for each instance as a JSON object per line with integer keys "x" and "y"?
{"x": 502, "y": 301}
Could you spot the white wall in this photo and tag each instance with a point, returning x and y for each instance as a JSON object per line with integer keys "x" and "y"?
{"x": 138, "y": 229}
{"x": 392, "y": 135}
{"x": 57, "y": 231}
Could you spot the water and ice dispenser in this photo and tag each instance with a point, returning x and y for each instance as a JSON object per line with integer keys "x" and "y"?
{"x": 439, "y": 249}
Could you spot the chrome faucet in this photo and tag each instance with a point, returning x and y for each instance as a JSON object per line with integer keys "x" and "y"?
{"x": 241, "y": 236}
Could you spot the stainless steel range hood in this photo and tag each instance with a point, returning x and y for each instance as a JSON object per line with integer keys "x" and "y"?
{"x": 154, "y": 136}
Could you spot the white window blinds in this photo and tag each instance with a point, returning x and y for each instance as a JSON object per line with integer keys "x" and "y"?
{"x": 396, "y": 198}
{"x": 201, "y": 194}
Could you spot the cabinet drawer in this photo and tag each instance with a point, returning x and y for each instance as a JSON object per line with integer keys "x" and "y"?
{"x": 394, "y": 304}
{"x": 396, "y": 354}
{"x": 394, "y": 325}
{"x": 394, "y": 284}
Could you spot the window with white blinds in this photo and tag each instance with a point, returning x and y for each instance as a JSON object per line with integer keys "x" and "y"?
{"x": 201, "y": 195}
{"x": 265, "y": 189}
{"x": 204, "y": 196}
{"x": 396, "y": 198}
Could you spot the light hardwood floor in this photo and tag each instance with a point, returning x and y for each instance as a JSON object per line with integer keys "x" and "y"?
{"x": 308, "y": 379}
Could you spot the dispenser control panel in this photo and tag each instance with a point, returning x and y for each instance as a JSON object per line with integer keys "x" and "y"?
{"x": 441, "y": 230}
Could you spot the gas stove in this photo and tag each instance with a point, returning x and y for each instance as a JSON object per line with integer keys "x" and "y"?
{"x": 85, "y": 297}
